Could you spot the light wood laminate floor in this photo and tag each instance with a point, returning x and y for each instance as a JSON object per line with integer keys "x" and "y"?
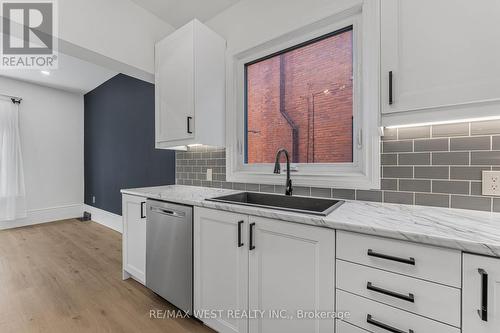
{"x": 65, "y": 277}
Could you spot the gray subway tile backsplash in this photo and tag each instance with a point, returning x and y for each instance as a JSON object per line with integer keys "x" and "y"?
{"x": 397, "y": 146}
{"x": 389, "y": 159}
{"x": 389, "y": 184}
{"x": 476, "y": 188}
{"x": 485, "y": 127}
{"x": 369, "y": 195}
{"x": 415, "y": 185}
{"x": 398, "y": 197}
{"x": 321, "y": 192}
{"x": 267, "y": 188}
{"x": 432, "y": 172}
{"x": 347, "y": 194}
{"x": 437, "y": 165}
{"x": 467, "y": 202}
{"x": 414, "y": 159}
{"x": 450, "y": 158}
{"x": 450, "y": 186}
{"x": 496, "y": 143}
{"x": 431, "y": 145}
{"x": 435, "y": 200}
{"x": 414, "y": 132}
{"x": 467, "y": 173}
{"x": 390, "y": 134}
{"x": 397, "y": 172}
{"x": 485, "y": 158}
{"x": 496, "y": 205}
{"x": 471, "y": 143}
{"x": 449, "y": 130}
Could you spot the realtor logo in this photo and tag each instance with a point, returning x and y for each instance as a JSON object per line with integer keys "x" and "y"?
{"x": 29, "y": 34}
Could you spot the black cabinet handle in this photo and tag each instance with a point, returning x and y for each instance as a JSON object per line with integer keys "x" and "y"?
{"x": 410, "y": 297}
{"x": 370, "y": 320}
{"x": 143, "y": 215}
{"x": 189, "y": 125}
{"x": 483, "y": 312}
{"x": 390, "y": 88}
{"x": 409, "y": 261}
{"x": 251, "y": 246}
{"x": 240, "y": 243}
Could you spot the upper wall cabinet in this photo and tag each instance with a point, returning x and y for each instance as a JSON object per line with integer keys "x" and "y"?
{"x": 440, "y": 59}
{"x": 190, "y": 88}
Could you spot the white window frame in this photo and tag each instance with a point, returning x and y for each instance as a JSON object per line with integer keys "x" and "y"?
{"x": 364, "y": 171}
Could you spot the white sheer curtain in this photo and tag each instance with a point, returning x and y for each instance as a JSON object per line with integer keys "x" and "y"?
{"x": 12, "y": 192}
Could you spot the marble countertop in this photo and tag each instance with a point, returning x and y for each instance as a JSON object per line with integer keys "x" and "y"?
{"x": 471, "y": 231}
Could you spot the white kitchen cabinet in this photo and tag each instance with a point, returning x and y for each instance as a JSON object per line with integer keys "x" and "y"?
{"x": 134, "y": 237}
{"x": 275, "y": 267}
{"x": 443, "y": 56}
{"x": 221, "y": 267}
{"x": 291, "y": 268}
{"x": 190, "y": 88}
{"x": 380, "y": 318}
{"x": 481, "y": 294}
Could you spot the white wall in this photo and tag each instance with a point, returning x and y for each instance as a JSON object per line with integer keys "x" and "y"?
{"x": 118, "y": 29}
{"x": 253, "y": 22}
{"x": 51, "y": 125}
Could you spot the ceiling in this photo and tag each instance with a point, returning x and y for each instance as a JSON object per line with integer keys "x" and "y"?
{"x": 73, "y": 75}
{"x": 179, "y": 12}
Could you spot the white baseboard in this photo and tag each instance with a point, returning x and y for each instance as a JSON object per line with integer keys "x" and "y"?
{"x": 107, "y": 219}
{"x": 44, "y": 215}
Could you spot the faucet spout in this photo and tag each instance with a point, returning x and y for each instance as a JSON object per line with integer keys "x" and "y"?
{"x": 277, "y": 169}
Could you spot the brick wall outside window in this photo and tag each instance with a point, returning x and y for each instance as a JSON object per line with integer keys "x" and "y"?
{"x": 308, "y": 89}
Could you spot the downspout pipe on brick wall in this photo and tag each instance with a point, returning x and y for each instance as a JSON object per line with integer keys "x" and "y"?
{"x": 291, "y": 123}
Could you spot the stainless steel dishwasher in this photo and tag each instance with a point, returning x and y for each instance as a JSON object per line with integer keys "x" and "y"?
{"x": 169, "y": 252}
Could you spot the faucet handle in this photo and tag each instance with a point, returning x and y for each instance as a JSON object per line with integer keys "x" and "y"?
{"x": 289, "y": 188}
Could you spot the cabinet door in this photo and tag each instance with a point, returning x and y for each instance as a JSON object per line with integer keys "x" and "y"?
{"x": 220, "y": 268}
{"x": 481, "y": 291}
{"x": 134, "y": 237}
{"x": 441, "y": 53}
{"x": 291, "y": 268}
{"x": 174, "y": 86}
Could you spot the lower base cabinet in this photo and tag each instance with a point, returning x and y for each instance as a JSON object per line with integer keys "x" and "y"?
{"x": 343, "y": 327}
{"x": 279, "y": 274}
{"x": 481, "y": 294}
{"x": 220, "y": 269}
{"x": 134, "y": 237}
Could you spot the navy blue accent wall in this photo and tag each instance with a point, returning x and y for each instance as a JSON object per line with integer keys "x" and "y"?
{"x": 119, "y": 142}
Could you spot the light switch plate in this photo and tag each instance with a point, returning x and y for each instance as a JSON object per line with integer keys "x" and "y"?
{"x": 491, "y": 183}
{"x": 209, "y": 174}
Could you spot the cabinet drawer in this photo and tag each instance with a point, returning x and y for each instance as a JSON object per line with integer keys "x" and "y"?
{"x": 373, "y": 316}
{"x": 416, "y": 260}
{"x": 424, "y": 298}
{"x": 343, "y": 327}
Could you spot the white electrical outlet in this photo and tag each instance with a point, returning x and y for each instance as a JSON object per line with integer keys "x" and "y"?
{"x": 209, "y": 174}
{"x": 491, "y": 183}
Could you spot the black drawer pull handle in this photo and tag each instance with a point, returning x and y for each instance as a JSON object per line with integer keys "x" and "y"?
{"x": 409, "y": 261}
{"x": 483, "y": 312}
{"x": 143, "y": 215}
{"x": 409, "y": 297}
{"x": 189, "y": 125}
{"x": 390, "y": 88}
{"x": 251, "y": 246}
{"x": 240, "y": 243}
{"x": 370, "y": 320}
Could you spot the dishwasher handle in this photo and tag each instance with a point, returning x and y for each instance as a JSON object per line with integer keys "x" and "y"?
{"x": 167, "y": 212}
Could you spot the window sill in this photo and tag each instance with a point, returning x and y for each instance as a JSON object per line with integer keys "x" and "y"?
{"x": 351, "y": 180}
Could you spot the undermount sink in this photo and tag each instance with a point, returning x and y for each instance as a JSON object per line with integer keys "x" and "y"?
{"x": 306, "y": 205}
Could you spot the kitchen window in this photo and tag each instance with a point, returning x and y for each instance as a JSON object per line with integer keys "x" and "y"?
{"x": 314, "y": 92}
{"x": 301, "y": 99}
